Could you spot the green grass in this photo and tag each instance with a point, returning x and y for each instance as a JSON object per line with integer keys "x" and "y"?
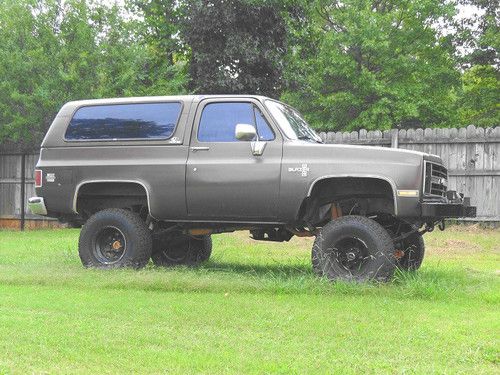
{"x": 255, "y": 307}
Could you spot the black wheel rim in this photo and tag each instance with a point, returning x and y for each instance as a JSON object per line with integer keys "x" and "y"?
{"x": 177, "y": 249}
{"x": 409, "y": 259}
{"x": 351, "y": 253}
{"x": 110, "y": 245}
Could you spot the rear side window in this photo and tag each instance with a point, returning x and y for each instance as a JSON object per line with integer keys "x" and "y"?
{"x": 124, "y": 121}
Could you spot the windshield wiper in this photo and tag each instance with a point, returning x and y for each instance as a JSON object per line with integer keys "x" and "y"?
{"x": 308, "y": 138}
{"x": 305, "y": 138}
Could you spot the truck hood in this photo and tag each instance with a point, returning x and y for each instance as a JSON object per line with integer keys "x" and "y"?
{"x": 402, "y": 168}
{"x": 372, "y": 152}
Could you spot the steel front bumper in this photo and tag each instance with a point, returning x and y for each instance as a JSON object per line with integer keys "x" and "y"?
{"x": 37, "y": 206}
{"x": 450, "y": 208}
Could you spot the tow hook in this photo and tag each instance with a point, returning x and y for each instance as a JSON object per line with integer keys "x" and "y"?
{"x": 429, "y": 227}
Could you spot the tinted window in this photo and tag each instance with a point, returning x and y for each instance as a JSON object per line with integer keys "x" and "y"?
{"x": 263, "y": 128}
{"x": 218, "y": 122}
{"x": 124, "y": 121}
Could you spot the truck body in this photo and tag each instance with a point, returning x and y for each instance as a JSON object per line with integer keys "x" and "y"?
{"x": 208, "y": 164}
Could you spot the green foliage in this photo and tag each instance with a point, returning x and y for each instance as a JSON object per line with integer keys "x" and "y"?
{"x": 52, "y": 53}
{"x": 237, "y": 46}
{"x": 479, "y": 34}
{"x": 377, "y": 65}
{"x": 26, "y": 68}
{"x": 373, "y": 64}
{"x": 479, "y": 103}
{"x": 164, "y": 58}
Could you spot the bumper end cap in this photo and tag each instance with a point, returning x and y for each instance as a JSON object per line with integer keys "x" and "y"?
{"x": 37, "y": 206}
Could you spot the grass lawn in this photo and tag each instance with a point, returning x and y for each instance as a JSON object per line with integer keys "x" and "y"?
{"x": 255, "y": 307}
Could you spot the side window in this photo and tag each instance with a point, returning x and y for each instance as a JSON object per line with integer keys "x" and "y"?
{"x": 263, "y": 128}
{"x": 124, "y": 121}
{"x": 218, "y": 122}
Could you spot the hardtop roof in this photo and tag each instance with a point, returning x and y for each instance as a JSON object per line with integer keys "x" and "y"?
{"x": 145, "y": 99}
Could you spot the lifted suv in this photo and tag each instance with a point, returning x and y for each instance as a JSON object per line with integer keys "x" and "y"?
{"x": 154, "y": 177}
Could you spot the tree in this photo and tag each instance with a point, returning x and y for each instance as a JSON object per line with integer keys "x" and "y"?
{"x": 164, "y": 59}
{"x": 479, "y": 102}
{"x": 26, "y": 65}
{"x": 377, "y": 64}
{"x": 236, "y": 46}
{"x": 53, "y": 52}
{"x": 478, "y": 36}
{"x": 478, "y": 39}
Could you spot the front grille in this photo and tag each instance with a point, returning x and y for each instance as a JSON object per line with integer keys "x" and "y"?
{"x": 436, "y": 179}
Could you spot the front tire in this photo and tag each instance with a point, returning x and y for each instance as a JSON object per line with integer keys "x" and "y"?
{"x": 354, "y": 248}
{"x": 413, "y": 251}
{"x": 115, "y": 238}
{"x": 176, "y": 249}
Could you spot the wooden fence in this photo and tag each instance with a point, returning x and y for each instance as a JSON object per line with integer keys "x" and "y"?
{"x": 16, "y": 186}
{"x": 471, "y": 156}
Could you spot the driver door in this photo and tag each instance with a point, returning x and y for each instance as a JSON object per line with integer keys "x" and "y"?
{"x": 224, "y": 180}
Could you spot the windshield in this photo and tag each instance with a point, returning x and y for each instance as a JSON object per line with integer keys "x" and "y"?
{"x": 290, "y": 121}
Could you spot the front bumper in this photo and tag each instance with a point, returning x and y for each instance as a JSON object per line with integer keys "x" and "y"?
{"x": 450, "y": 208}
{"x": 447, "y": 210}
{"x": 37, "y": 206}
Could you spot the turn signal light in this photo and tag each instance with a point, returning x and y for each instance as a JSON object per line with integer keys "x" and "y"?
{"x": 407, "y": 193}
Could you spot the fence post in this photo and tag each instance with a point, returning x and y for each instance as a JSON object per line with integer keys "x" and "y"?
{"x": 23, "y": 190}
{"x": 395, "y": 138}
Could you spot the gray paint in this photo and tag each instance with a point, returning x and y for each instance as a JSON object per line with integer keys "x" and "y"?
{"x": 249, "y": 185}
{"x": 225, "y": 183}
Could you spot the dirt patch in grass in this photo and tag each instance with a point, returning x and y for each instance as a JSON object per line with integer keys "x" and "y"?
{"x": 453, "y": 247}
{"x": 472, "y": 228}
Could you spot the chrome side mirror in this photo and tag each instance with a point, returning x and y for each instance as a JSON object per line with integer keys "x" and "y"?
{"x": 245, "y": 132}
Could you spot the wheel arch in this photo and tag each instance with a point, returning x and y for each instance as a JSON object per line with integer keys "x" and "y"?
{"x": 391, "y": 183}
{"x": 103, "y": 182}
{"x": 345, "y": 184}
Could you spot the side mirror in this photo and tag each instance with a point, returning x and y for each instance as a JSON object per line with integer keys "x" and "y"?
{"x": 245, "y": 132}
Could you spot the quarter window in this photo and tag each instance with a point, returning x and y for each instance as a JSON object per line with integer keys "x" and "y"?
{"x": 263, "y": 128}
{"x": 218, "y": 122}
{"x": 124, "y": 121}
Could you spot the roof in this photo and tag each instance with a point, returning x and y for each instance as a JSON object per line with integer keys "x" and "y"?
{"x": 146, "y": 99}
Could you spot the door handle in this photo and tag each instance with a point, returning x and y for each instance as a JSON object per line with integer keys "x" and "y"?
{"x": 199, "y": 148}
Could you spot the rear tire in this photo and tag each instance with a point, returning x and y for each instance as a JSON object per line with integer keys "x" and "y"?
{"x": 115, "y": 238}
{"x": 176, "y": 249}
{"x": 354, "y": 248}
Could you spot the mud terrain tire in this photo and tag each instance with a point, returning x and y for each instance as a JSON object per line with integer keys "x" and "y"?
{"x": 414, "y": 251}
{"x": 115, "y": 238}
{"x": 180, "y": 249}
{"x": 354, "y": 248}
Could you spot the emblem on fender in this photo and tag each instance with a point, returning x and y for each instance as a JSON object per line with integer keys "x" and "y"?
{"x": 304, "y": 170}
